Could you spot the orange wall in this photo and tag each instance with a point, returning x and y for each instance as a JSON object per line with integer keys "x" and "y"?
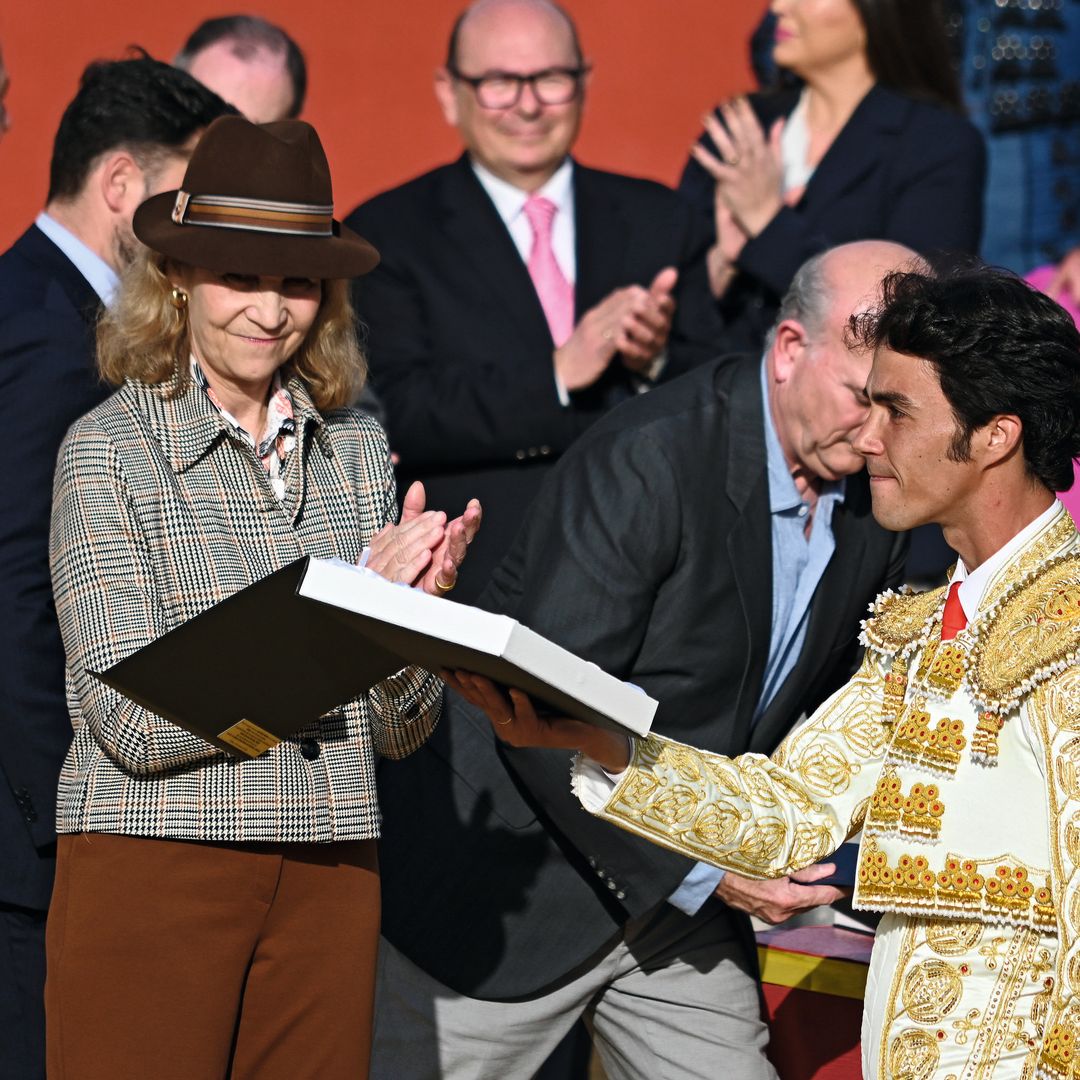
{"x": 658, "y": 64}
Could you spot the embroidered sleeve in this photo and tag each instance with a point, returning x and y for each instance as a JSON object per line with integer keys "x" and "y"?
{"x": 759, "y": 816}
{"x": 1055, "y": 709}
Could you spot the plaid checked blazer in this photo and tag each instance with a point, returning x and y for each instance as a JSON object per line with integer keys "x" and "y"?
{"x": 160, "y": 511}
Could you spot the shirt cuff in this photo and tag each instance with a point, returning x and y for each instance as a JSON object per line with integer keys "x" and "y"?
{"x": 564, "y": 394}
{"x": 592, "y": 785}
{"x": 696, "y": 888}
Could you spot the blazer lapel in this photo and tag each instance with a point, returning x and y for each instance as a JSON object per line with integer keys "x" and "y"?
{"x": 600, "y": 233}
{"x": 749, "y": 544}
{"x": 824, "y": 627}
{"x": 37, "y": 248}
{"x": 857, "y": 149}
{"x": 474, "y": 229}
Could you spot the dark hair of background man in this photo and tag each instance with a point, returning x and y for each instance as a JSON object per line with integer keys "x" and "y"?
{"x": 141, "y": 104}
{"x": 248, "y": 33}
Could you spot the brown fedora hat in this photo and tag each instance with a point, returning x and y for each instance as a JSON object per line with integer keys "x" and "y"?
{"x": 256, "y": 199}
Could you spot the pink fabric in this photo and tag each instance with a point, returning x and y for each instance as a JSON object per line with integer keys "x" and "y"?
{"x": 1041, "y": 277}
{"x": 555, "y": 292}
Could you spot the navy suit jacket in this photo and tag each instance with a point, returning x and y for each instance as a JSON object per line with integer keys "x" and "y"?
{"x": 47, "y": 380}
{"x": 460, "y": 350}
{"x": 900, "y": 170}
{"x": 648, "y": 552}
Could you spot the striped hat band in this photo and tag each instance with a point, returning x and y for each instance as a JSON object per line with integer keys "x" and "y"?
{"x": 253, "y": 215}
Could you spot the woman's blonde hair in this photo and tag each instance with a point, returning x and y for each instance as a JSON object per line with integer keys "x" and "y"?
{"x": 144, "y": 336}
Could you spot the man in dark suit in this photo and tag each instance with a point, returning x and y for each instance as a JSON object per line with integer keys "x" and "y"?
{"x": 126, "y": 134}
{"x": 712, "y": 543}
{"x": 496, "y": 336}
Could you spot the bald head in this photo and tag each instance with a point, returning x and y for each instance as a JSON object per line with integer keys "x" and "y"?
{"x": 816, "y": 383}
{"x": 853, "y": 273}
{"x": 514, "y": 87}
{"x": 493, "y": 16}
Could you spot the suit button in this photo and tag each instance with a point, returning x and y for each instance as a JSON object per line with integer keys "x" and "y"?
{"x": 533, "y": 451}
{"x": 620, "y": 895}
{"x": 545, "y": 451}
{"x": 612, "y": 886}
{"x": 309, "y": 748}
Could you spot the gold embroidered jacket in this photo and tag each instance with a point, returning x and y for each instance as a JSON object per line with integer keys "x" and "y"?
{"x": 960, "y": 761}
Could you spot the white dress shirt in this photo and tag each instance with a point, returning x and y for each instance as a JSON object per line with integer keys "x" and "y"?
{"x": 101, "y": 277}
{"x": 510, "y": 204}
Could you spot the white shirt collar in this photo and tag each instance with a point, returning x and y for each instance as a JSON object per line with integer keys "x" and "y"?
{"x": 101, "y": 277}
{"x": 974, "y": 585}
{"x": 510, "y": 201}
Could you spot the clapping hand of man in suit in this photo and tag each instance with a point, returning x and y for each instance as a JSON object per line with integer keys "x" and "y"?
{"x": 516, "y": 722}
{"x": 632, "y": 322}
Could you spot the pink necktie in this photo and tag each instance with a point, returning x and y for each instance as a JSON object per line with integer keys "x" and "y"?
{"x": 555, "y": 292}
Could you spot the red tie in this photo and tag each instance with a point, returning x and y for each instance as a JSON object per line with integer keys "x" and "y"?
{"x": 953, "y": 619}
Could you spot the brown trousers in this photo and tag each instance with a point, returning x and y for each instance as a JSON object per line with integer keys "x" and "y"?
{"x": 199, "y": 961}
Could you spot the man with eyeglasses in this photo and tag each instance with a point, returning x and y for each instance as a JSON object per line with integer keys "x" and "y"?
{"x": 520, "y": 294}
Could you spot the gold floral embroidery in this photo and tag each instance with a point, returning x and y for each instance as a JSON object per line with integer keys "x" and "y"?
{"x": 967, "y": 1025}
{"x": 1003, "y": 894}
{"x": 887, "y": 800}
{"x": 676, "y": 806}
{"x": 984, "y": 743}
{"x": 900, "y": 619}
{"x": 680, "y": 760}
{"x": 1059, "y": 1051}
{"x": 812, "y": 843}
{"x": 939, "y": 747}
{"x": 1063, "y": 700}
{"x": 999, "y": 1027}
{"x": 931, "y": 991}
{"x": 1034, "y": 633}
{"x": 913, "y": 1055}
{"x": 1067, "y": 768}
{"x": 922, "y": 811}
{"x": 895, "y": 689}
{"x": 763, "y": 841}
{"x": 953, "y": 937}
{"x": 718, "y": 824}
{"x": 947, "y": 671}
{"x": 917, "y": 814}
{"x": 824, "y": 770}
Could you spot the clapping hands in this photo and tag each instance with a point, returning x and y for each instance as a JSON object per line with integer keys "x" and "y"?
{"x": 423, "y": 549}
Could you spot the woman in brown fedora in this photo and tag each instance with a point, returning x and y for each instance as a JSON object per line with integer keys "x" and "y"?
{"x": 214, "y": 917}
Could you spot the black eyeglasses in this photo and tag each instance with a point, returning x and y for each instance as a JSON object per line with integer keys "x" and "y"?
{"x": 502, "y": 89}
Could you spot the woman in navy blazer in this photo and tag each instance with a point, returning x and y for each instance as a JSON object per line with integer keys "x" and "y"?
{"x": 871, "y": 145}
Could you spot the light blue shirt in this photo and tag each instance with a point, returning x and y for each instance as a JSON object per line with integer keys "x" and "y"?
{"x": 100, "y": 275}
{"x": 798, "y": 562}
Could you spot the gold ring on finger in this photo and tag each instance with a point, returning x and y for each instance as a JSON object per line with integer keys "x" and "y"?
{"x": 503, "y": 723}
{"x": 442, "y": 587}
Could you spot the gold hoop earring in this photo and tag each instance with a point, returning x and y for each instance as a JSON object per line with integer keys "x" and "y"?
{"x": 178, "y": 298}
